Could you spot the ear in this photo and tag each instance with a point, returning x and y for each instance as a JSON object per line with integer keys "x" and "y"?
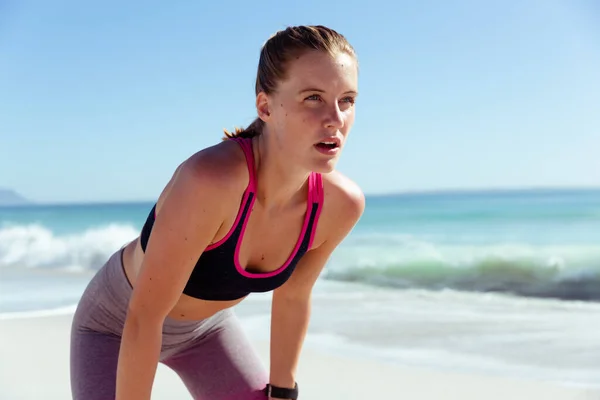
{"x": 263, "y": 107}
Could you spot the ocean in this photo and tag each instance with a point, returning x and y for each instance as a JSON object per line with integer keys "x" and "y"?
{"x": 499, "y": 282}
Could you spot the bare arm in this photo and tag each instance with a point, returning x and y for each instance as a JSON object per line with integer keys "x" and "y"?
{"x": 291, "y": 305}
{"x": 290, "y": 315}
{"x": 189, "y": 217}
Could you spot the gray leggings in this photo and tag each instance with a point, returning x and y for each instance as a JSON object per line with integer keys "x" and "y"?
{"x": 213, "y": 356}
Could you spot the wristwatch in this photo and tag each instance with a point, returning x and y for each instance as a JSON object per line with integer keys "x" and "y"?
{"x": 282, "y": 393}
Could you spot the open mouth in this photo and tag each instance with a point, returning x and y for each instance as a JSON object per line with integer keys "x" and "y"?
{"x": 327, "y": 145}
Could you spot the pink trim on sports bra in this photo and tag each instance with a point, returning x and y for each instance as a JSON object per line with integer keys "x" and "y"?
{"x": 309, "y": 205}
{"x": 315, "y": 195}
{"x": 251, "y": 188}
{"x": 319, "y": 198}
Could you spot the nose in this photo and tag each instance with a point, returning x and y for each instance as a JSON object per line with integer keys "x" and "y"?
{"x": 335, "y": 118}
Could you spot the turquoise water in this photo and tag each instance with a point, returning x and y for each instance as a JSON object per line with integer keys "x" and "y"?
{"x": 527, "y": 243}
{"x": 533, "y": 243}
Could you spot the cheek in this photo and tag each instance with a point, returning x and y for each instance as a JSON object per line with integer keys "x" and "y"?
{"x": 349, "y": 121}
{"x": 300, "y": 117}
{"x": 312, "y": 116}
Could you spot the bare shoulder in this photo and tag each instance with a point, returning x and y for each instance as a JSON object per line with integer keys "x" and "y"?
{"x": 343, "y": 206}
{"x": 220, "y": 170}
{"x": 347, "y": 196}
{"x": 224, "y": 161}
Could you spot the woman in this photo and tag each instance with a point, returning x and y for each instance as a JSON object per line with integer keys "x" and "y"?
{"x": 260, "y": 211}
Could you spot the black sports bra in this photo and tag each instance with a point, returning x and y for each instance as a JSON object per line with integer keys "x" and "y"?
{"x": 218, "y": 274}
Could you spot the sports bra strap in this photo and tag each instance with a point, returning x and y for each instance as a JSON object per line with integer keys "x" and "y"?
{"x": 319, "y": 187}
{"x": 246, "y": 145}
{"x": 315, "y": 181}
{"x": 315, "y": 187}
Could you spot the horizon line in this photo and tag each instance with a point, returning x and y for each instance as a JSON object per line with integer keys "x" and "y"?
{"x": 381, "y": 194}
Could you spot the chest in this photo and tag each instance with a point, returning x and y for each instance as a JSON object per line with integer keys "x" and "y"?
{"x": 270, "y": 239}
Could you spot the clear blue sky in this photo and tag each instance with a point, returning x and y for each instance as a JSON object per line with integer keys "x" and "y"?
{"x": 99, "y": 101}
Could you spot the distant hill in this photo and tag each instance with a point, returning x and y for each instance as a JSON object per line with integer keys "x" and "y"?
{"x": 9, "y": 197}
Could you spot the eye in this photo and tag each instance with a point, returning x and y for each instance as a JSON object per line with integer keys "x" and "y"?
{"x": 349, "y": 99}
{"x": 313, "y": 97}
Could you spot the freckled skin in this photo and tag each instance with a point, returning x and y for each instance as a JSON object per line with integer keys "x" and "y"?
{"x": 305, "y": 118}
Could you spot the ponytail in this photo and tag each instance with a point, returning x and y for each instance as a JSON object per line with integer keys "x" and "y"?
{"x": 254, "y": 129}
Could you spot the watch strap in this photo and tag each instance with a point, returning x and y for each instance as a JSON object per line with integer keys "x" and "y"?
{"x": 282, "y": 393}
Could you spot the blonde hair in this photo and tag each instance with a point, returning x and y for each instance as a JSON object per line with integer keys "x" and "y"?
{"x": 276, "y": 55}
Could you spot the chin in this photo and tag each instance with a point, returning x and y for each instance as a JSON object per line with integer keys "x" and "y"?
{"x": 324, "y": 166}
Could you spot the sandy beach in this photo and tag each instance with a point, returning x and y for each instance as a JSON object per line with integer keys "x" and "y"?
{"x": 35, "y": 365}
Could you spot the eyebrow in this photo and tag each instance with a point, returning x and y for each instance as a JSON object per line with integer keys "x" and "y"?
{"x": 322, "y": 91}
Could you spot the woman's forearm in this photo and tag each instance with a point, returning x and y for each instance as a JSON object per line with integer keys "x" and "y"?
{"x": 138, "y": 359}
{"x": 289, "y": 324}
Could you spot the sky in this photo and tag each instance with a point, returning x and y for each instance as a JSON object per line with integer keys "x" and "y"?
{"x": 100, "y": 101}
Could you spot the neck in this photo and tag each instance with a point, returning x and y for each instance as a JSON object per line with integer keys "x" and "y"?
{"x": 278, "y": 183}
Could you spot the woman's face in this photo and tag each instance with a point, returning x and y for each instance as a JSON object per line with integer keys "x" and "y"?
{"x": 311, "y": 113}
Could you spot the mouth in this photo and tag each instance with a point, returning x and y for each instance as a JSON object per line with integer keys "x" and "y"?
{"x": 329, "y": 144}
